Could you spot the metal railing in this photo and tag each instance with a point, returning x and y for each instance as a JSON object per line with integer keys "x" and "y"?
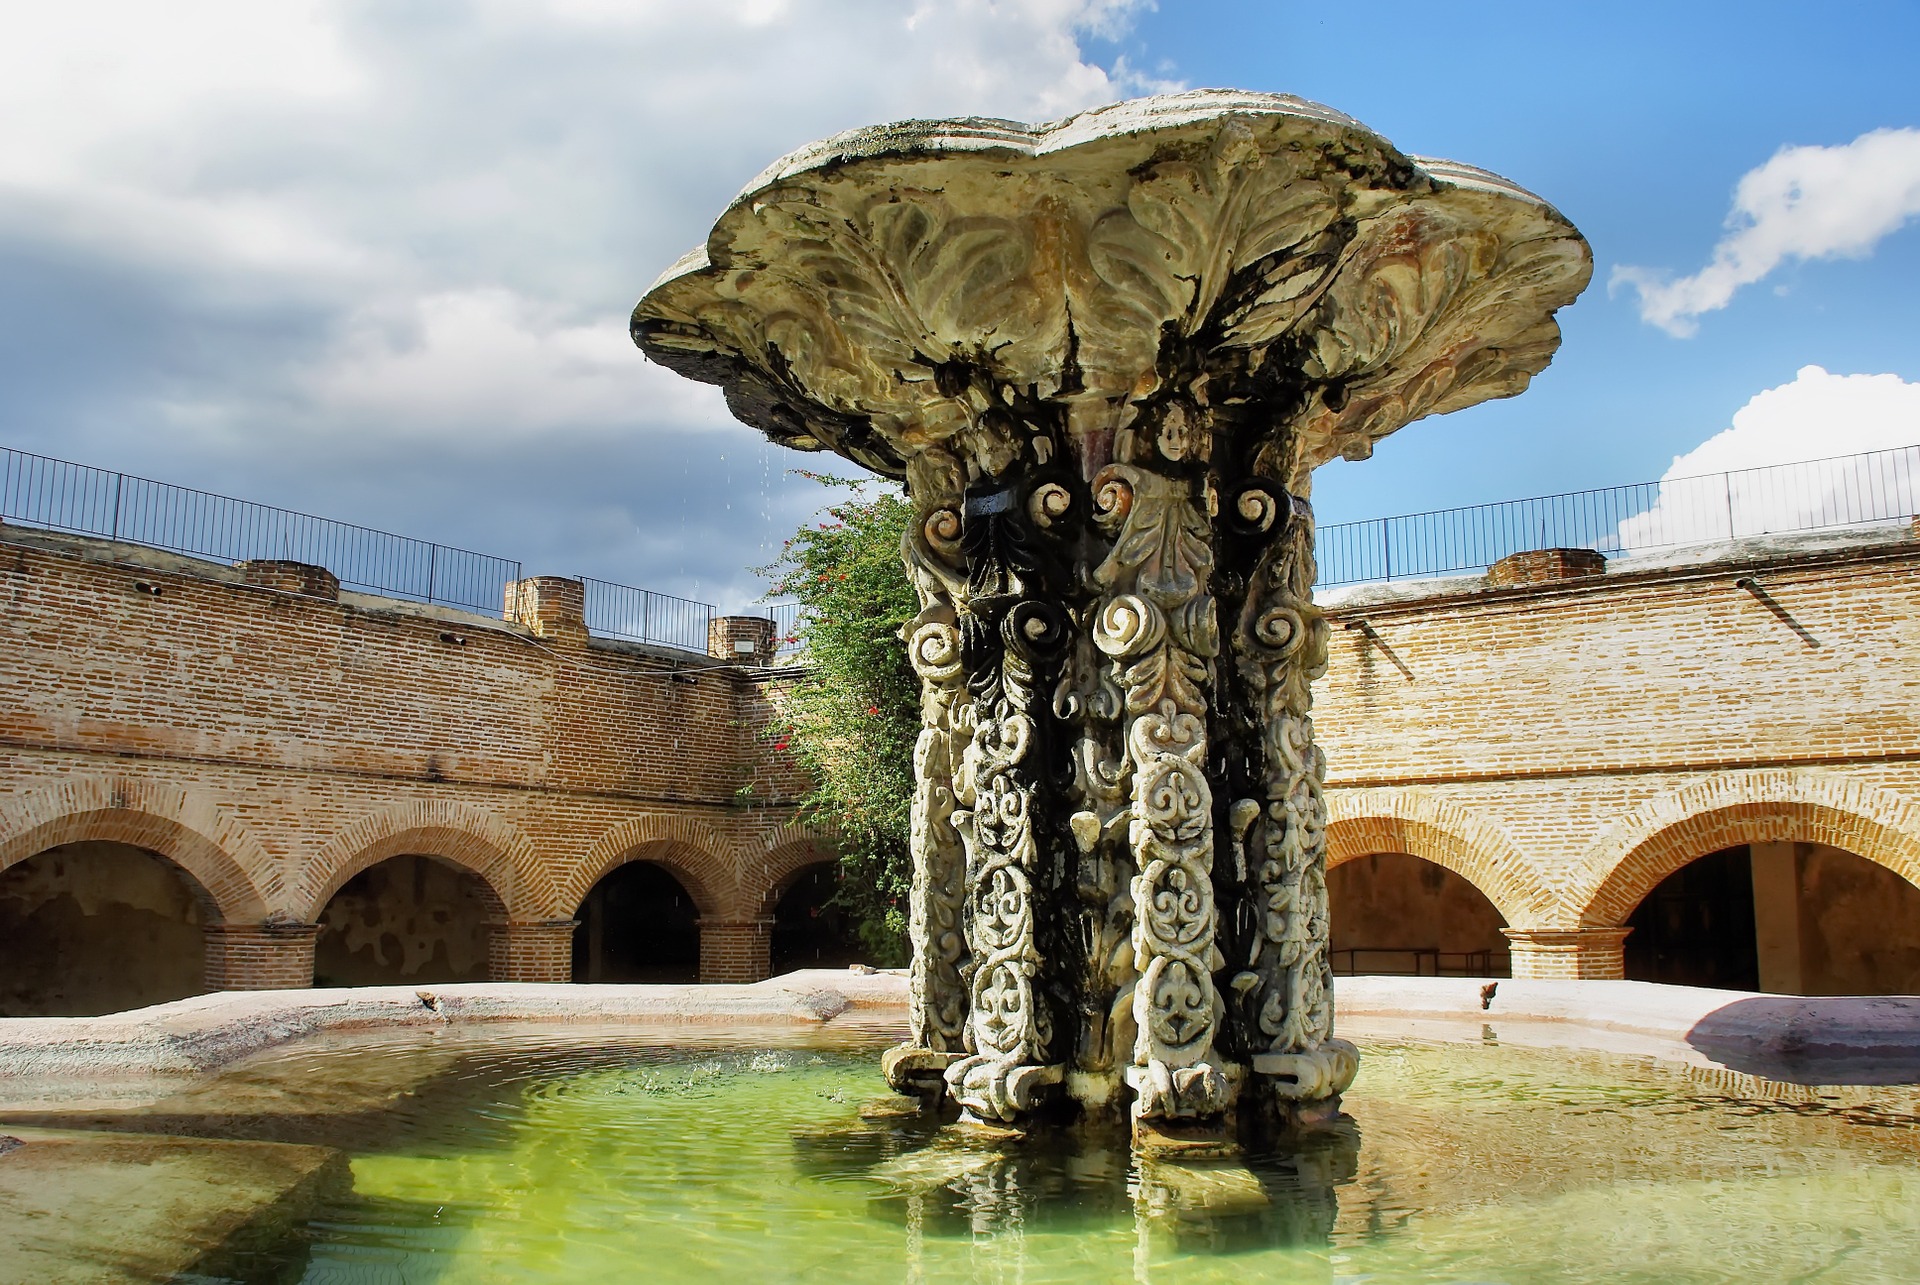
{"x": 58, "y": 495}
{"x": 1418, "y": 961}
{"x": 647, "y": 616}
{"x": 786, "y": 626}
{"x": 1843, "y": 491}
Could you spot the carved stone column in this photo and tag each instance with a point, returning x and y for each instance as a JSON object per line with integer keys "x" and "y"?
{"x": 1104, "y": 357}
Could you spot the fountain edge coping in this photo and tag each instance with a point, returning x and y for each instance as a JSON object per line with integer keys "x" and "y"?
{"x": 210, "y": 1031}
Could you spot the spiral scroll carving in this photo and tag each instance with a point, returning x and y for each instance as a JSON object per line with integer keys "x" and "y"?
{"x": 1104, "y": 355}
{"x": 1286, "y": 981}
{"x": 1155, "y": 623}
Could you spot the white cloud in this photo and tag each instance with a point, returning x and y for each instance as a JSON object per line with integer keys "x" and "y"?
{"x": 489, "y": 359}
{"x": 1775, "y": 468}
{"x": 1805, "y": 203}
{"x": 328, "y": 246}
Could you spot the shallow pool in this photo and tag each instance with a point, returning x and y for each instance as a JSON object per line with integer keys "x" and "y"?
{"x": 735, "y": 1158}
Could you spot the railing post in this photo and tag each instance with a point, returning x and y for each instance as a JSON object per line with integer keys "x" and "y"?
{"x": 118, "y": 480}
{"x": 1386, "y": 545}
{"x": 433, "y": 565}
{"x": 1726, "y": 485}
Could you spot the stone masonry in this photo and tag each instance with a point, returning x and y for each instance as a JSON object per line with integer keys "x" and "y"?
{"x": 1561, "y": 744}
{"x": 272, "y": 736}
{"x": 1568, "y": 738}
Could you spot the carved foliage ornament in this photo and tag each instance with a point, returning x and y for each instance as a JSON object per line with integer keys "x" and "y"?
{"x": 1105, "y": 355}
{"x": 846, "y": 297}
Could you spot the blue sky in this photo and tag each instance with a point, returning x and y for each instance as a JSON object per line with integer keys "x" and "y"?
{"x": 1636, "y": 120}
{"x": 373, "y": 260}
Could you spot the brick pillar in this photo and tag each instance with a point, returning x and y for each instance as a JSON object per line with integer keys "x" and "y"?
{"x": 291, "y": 577}
{"x": 552, "y": 606}
{"x": 1591, "y": 954}
{"x": 531, "y": 952}
{"x": 736, "y": 950}
{"x": 746, "y": 640}
{"x": 259, "y": 957}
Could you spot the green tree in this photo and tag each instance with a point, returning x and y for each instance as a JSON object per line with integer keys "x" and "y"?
{"x": 852, "y": 718}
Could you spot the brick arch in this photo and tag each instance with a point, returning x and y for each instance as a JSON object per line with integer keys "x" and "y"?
{"x": 780, "y": 859}
{"x": 235, "y": 878}
{"x": 476, "y": 841}
{"x": 1724, "y": 811}
{"x": 1447, "y": 835}
{"x": 682, "y": 845}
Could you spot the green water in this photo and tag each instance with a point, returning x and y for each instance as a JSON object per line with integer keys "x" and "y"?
{"x": 731, "y": 1159}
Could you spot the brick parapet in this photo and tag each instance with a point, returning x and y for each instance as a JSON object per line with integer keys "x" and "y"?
{"x": 553, "y": 607}
{"x": 207, "y": 672}
{"x": 744, "y": 640}
{"x": 291, "y": 577}
{"x": 1660, "y": 670}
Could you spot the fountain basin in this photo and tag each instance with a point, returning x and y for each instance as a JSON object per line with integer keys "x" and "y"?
{"x": 533, "y": 1133}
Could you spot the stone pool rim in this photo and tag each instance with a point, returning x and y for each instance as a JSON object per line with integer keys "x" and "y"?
{"x": 1803, "y": 1040}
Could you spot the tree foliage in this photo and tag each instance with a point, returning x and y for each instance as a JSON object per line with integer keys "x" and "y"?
{"x": 852, "y": 719}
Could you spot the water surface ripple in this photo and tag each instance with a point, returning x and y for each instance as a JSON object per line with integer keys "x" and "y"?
{"x": 575, "y": 1156}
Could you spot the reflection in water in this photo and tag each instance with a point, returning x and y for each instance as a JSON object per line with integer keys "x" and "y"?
{"x": 955, "y": 1182}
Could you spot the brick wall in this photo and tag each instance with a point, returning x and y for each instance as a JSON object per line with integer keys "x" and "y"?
{"x": 1568, "y": 742}
{"x": 271, "y": 741}
{"x": 1561, "y": 743}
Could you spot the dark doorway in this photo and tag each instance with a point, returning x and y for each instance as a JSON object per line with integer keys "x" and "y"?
{"x": 406, "y": 920}
{"x": 810, "y": 933}
{"x": 639, "y": 924}
{"x": 91, "y": 928}
{"x": 1696, "y": 927}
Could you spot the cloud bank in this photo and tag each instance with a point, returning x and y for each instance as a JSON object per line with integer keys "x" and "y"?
{"x": 1807, "y": 203}
{"x": 375, "y": 261}
{"x": 1805, "y": 423}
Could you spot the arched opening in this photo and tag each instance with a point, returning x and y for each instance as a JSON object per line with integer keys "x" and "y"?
{"x": 638, "y": 924}
{"x": 1696, "y": 928}
{"x": 96, "y": 927}
{"x": 406, "y": 920}
{"x": 1394, "y": 913}
{"x": 1786, "y": 918}
{"x": 809, "y": 931}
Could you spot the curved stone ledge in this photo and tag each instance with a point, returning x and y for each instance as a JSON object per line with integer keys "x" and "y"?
{"x": 1786, "y": 1039}
{"x": 207, "y": 1032}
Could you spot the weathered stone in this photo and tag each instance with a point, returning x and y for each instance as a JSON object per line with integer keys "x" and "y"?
{"x": 1105, "y": 355}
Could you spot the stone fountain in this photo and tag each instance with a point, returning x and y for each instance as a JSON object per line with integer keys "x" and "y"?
{"x": 1105, "y": 356}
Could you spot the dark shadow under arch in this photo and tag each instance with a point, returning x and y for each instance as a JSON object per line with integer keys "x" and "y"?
{"x": 407, "y": 919}
{"x": 638, "y": 923}
{"x": 1396, "y": 913}
{"x": 1793, "y": 918}
{"x": 808, "y": 930}
{"x": 100, "y": 927}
